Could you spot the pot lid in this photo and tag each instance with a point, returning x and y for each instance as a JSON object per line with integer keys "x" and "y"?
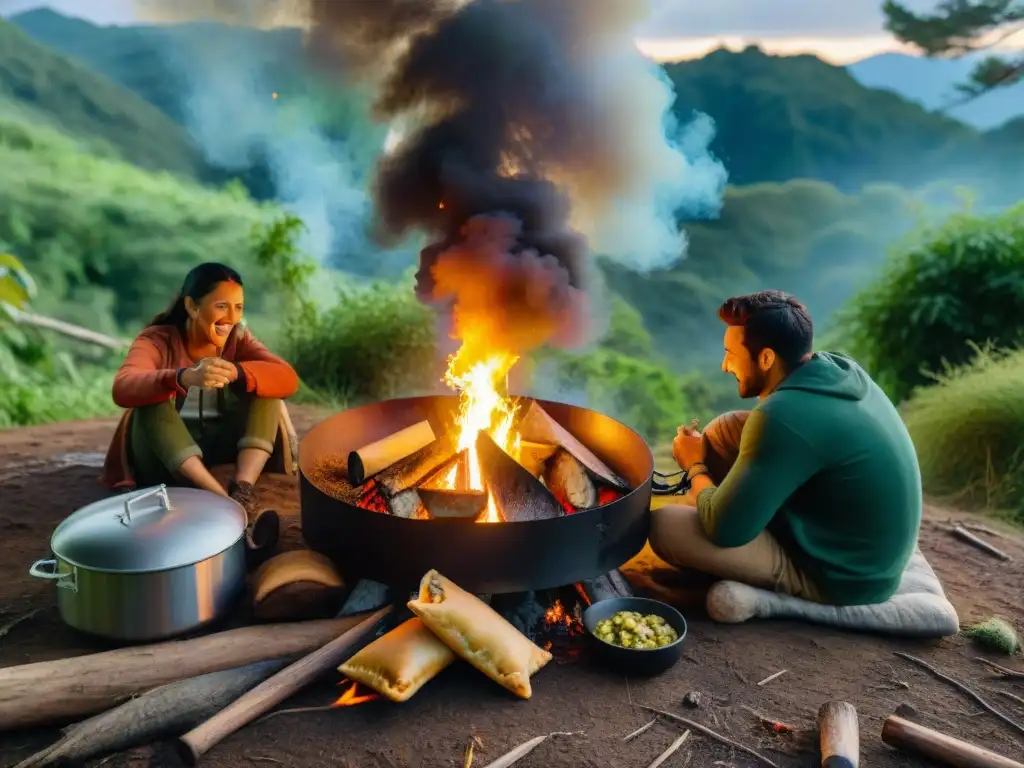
{"x": 153, "y": 529}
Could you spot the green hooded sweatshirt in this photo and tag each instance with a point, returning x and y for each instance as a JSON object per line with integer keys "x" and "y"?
{"x": 826, "y": 465}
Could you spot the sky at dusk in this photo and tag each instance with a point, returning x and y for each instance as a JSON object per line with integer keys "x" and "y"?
{"x": 840, "y": 31}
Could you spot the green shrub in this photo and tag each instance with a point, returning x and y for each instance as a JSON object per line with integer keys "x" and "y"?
{"x": 374, "y": 343}
{"x": 945, "y": 288}
{"x": 32, "y": 400}
{"x": 967, "y": 428}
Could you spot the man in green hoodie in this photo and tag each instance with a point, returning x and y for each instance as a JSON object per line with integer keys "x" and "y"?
{"x": 816, "y": 492}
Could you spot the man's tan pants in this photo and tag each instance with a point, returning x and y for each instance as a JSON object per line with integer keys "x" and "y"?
{"x": 678, "y": 537}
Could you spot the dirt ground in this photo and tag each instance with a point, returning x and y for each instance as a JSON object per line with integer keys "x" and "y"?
{"x": 42, "y": 480}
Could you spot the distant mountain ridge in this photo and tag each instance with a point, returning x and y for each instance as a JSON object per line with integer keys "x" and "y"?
{"x": 932, "y": 83}
{"x": 777, "y": 117}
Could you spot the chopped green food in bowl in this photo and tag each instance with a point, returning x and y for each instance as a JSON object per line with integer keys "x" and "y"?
{"x": 631, "y": 629}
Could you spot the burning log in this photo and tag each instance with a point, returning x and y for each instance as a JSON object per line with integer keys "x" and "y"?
{"x": 534, "y": 455}
{"x": 537, "y": 426}
{"x": 408, "y": 472}
{"x": 517, "y": 494}
{"x": 371, "y": 459}
{"x": 276, "y": 689}
{"x": 408, "y": 504}
{"x": 61, "y": 690}
{"x": 443, "y": 503}
{"x": 568, "y": 480}
{"x": 165, "y": 711}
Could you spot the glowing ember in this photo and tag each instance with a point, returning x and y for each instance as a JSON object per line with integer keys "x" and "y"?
{"x": 483, "y": 405}
{"x": 351, "y": 696}
{"x": 556, "y": 614}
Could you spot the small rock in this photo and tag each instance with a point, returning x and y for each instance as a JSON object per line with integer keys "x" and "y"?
{"x": 692, "y": 699}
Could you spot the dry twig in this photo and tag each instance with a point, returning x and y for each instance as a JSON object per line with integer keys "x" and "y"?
{"x": 1014, "y": 674}
{"x": 1011, "y": 696}
{"x": 6, "y": 628}
{"x": 710, "y": 734}
{"x": 639, "y": 730}
{"x": 510, "y": 758}
{"x": 964, "y": 690}
{"x": 296, "y": 711}
{"x": 768, "y": 679}
{"x": 668, "y": 752}
{"x": 468, "y": 762}
{"x": 775, "y": 726}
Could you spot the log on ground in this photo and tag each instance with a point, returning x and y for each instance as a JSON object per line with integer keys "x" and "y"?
{"x": 65, "y": 689}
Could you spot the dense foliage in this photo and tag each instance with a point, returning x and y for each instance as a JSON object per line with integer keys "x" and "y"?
{"x": 108, "y": 242}
{"x": 944, "y": 289}
{"x": 966, "y": 429}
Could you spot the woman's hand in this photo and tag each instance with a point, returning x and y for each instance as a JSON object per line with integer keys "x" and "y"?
{"x": 209, "y": 373}
{"x": 688, "y": 447}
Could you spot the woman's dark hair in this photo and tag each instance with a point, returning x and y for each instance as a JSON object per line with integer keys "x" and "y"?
{"x": 772, "y": 320}
{"x": 199, "y": 282}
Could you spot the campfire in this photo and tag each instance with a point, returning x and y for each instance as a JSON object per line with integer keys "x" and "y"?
{"x": 502, "y": 459}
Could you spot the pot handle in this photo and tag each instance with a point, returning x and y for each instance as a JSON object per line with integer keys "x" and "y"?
{"x": 160, "y": 492}
{"x": 47, "y": 569}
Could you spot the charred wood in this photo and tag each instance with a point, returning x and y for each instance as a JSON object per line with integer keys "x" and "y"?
{"x": 517, "y": 494}
{"x": 408, "y": 472}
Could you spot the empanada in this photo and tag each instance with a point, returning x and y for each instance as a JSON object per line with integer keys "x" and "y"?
{"x": 294, "y": 585}
{"x": 399, "y": 663}
{"x": 478, "y": 634}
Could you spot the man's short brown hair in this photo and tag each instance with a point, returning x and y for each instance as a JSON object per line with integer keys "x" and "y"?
{"x": 771, "y": 320}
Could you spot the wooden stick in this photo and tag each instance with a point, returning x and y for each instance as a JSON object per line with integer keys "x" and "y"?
{"x": 668, "y": 752}
{"x": 65, "y": 689}
{"x": 162, "y": 712}
{"x": 1011, "y": 696}
{"x": 1014, "y": 674}
{"x": 964, "y": 535}
{"x": 979, "y": 528}
{"x": 8, "y": 626}
{"x": 964, "y": 690}
{"x": 272, "y": 692}
{"x": 840, "y": 735}
{"x": 711, "y": 734}
{"x": 517, "y": 754}
{"x": 913, "y": 737}
{"x": 768, "y": 679}
{"x": 641, "y": 729}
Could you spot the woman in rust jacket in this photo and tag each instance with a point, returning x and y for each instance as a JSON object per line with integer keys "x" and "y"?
{"x": 200, "y": 390}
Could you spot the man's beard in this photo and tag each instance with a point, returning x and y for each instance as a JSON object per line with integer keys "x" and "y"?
{"x": 752, "y": 386}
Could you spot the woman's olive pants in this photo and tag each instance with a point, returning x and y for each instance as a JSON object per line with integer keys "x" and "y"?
{"x": 159, "y": 439}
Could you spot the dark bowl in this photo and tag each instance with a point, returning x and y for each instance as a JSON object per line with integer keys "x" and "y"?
{"x": 631, "y": 660}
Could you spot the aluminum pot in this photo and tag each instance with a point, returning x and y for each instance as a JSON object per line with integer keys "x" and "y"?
{"x": 148, "y": 566}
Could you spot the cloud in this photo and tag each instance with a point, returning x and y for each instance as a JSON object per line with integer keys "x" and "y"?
{"x": 699, "y": 18}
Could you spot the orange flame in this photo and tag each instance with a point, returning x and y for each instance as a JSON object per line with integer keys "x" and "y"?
{"x": 483, "y": 405}
{"x": 351, "y": 696}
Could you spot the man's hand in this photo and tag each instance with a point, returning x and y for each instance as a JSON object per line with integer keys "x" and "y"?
{"x": 688, "y": 447}
{"x": 209, "y": 373}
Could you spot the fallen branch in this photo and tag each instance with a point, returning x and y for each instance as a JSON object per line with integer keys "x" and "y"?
{"x": 6, "y": 628}
{"x": 70, "y": 330}
{"x": 641, "y": 729}
{"x": 276, "y": 689}
{"x": 668, "y": 752}
{"x": 915, "y": 738}
{"x": 711, "y": 734}
{"x": 159, "y": 713}
{"x": 65, "y": 689}
{"x": 964, "y": 535}
{"x": 1006, "y": 672}
{"x": 517, "y": 754}
{"x": 964, "y": 690}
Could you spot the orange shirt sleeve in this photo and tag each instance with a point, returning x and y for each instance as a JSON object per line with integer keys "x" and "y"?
{"x": 141, "y": 380}
{"x": 266, "y": 374}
